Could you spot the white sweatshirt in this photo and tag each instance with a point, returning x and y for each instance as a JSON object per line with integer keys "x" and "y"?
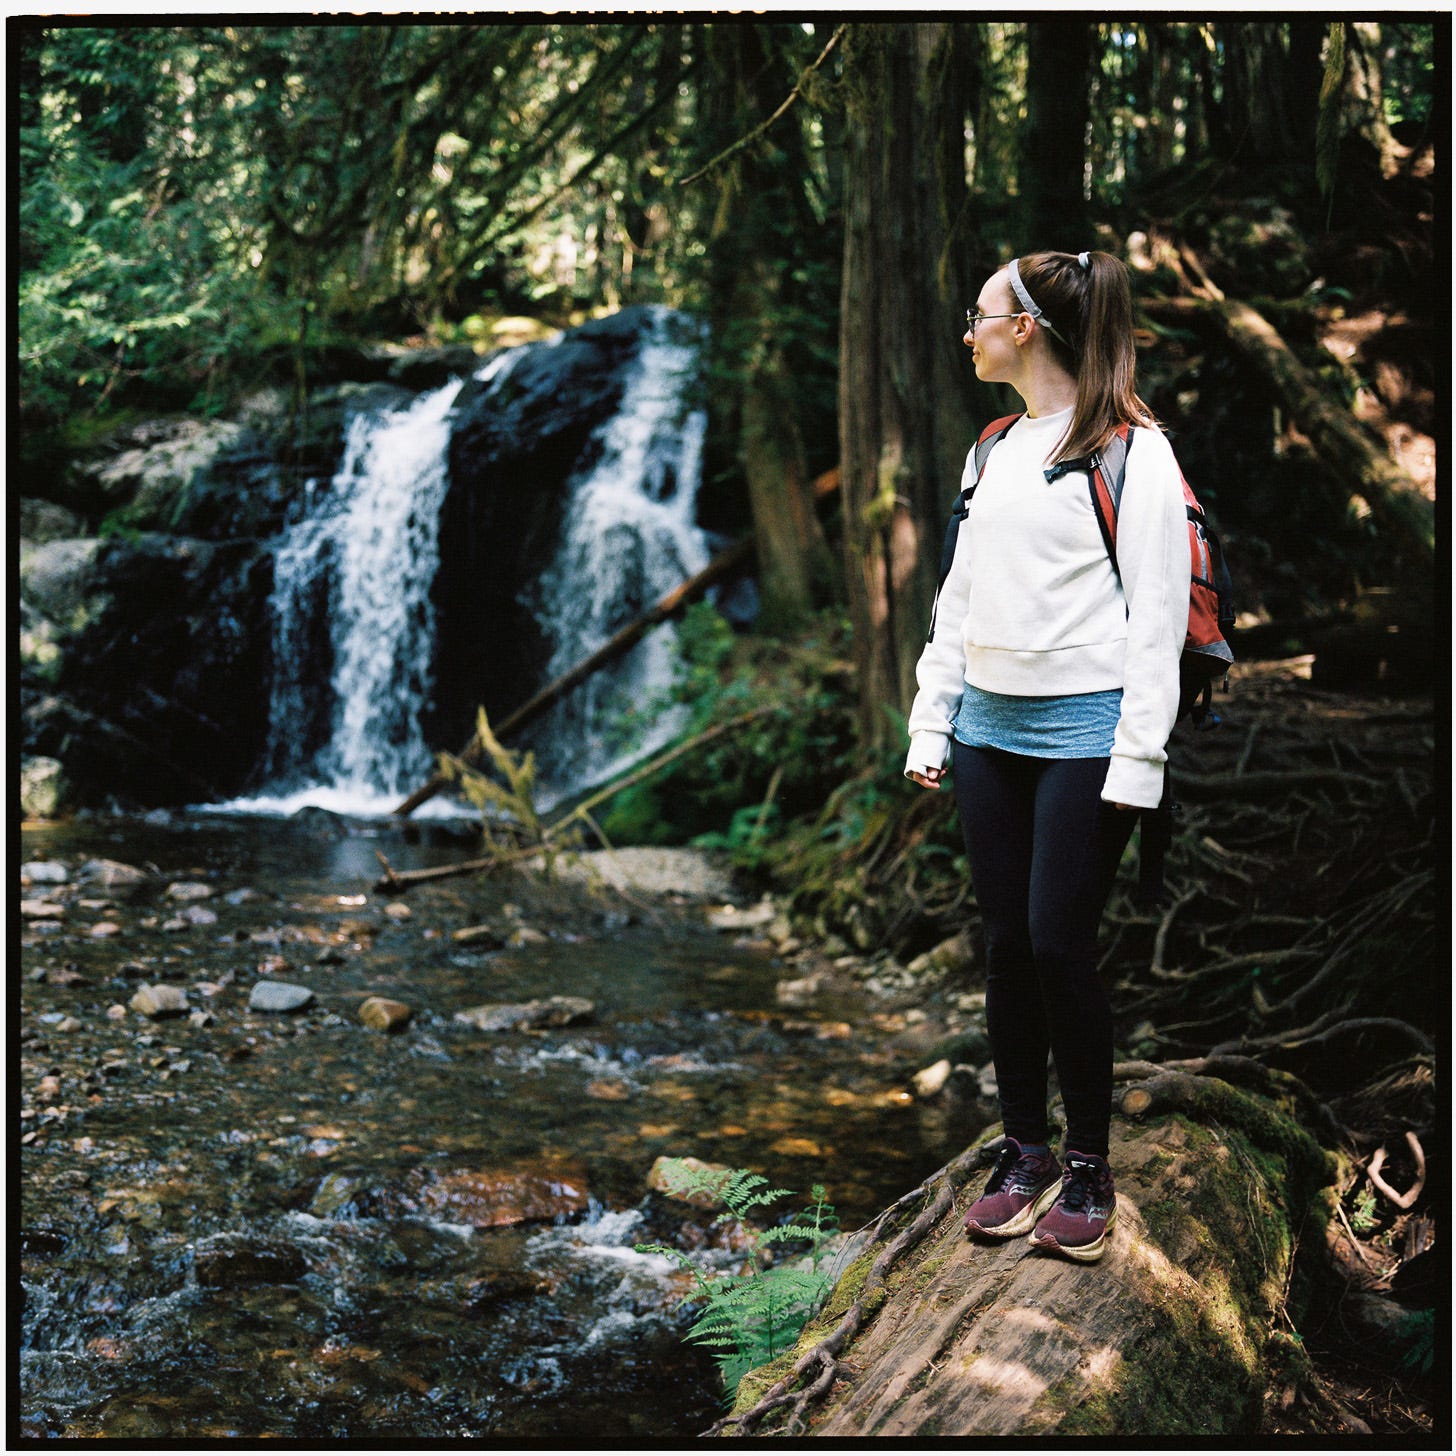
{"x": 1032, "y": 606}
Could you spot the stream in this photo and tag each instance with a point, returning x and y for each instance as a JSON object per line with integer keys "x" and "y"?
{"x": 243, "y": 1223}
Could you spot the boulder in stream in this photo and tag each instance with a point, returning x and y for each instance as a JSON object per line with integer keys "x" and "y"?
{"x": 550, "y": 1011}
{"x": 499, "y": 1198}
{"x": 226, "y": 1260}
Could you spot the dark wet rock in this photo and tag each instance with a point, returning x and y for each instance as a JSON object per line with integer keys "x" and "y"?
{"x": 160, "y": 1001}
{"x": 43, "y": 520}
{"x": 43, "y": 787}
{"x": 279, "y": 996}
{"x": 45, "y": 872}
{"x": 120, "y": 881}
{"x": 551, "y": 1011}
{"x": 379, "y": 1013}
{"x": 479, "y": 1296}
{"x": 499, "y": 1198}
{"x": 330, "y": 955}
{"x": 227, "y": 1260}
{"x": 42, "y": 1243}
{"x": 348, "y": 1194}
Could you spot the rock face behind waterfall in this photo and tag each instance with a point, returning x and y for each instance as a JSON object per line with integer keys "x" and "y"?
{"x": 147, "y": 630}
{"x": 516, "y": 441}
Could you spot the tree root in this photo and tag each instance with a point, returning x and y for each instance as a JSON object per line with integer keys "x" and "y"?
{"x": 1405, "y": 1200}
{"x": 823, "y": 1361}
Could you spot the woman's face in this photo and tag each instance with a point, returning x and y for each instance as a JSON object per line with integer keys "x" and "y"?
{"x": 993, "y": 346}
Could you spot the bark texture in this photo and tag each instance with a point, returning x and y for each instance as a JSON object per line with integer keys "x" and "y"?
{"x": 1180, "y": 1329}
{"x": 905, "y": 382}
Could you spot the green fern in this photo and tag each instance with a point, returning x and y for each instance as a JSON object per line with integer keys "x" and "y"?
{"x": 748, "y": 1319}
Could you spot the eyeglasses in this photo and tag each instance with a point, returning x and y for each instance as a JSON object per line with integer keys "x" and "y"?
{"x": 973, "y": 318}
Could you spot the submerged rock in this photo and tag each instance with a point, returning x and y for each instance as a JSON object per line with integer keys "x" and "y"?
{"x": 278, "y": 996}
{"x": 226, "y": 1260}
{"x": 118, "y": 880}
{"x": 496, "y": 1199}
{"x": 159, "y": 1001}
{"x": 379, "y": 1013}
{"x": 529, "y": 1015}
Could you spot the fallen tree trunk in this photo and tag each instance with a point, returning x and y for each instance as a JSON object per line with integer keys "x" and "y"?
{"x": 1181, "y": 1329}
{"x": 1356, "y": 461}
{"x": 720, "y": 567}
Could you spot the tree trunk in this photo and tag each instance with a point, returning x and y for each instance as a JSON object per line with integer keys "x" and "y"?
{"x": 1059, "y": 57}
{"x": 904, "y": 378}
{"x": 1357, "y": 464}
{"x": 1181, "y": 1329}
{"x": 761, "y": 196}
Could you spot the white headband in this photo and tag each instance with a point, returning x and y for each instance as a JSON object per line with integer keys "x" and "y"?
{"x": 1025, "y": 299}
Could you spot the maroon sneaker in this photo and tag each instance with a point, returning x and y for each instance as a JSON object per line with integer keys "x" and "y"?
{"x": 1084, "y": 1213}
{"x": 1021, "y": 1185}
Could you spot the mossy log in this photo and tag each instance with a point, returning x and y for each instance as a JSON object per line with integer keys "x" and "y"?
{"x": 1184, "y": 1327}
{"x": 1356, "y": 459}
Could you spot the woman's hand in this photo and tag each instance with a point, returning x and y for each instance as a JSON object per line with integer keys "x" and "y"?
{"x": 930, "y": 779}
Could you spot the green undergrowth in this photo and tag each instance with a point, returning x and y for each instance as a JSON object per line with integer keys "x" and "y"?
{"x": 747, "y": 1319}
{"x": 856, "y": 851}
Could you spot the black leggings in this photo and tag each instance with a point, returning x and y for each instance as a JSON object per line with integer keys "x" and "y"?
{"x": 1043, "y": 850}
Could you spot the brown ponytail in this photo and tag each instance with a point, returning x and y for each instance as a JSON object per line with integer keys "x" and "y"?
{"x": 1092, "y": 308}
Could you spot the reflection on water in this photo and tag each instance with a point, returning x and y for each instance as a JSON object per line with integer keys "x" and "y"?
{"x": 243, "y": 1224}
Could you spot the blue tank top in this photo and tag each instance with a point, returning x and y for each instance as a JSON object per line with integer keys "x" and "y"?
{"x": 1068, "y": 725}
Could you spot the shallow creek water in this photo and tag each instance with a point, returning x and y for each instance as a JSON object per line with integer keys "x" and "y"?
{"x": 239, "y": 1224}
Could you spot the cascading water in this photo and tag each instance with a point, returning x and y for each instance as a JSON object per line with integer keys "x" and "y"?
{"x": 360, "y": 564}
{"x": 628, "y": 539}
{"x": 353, "y": 642}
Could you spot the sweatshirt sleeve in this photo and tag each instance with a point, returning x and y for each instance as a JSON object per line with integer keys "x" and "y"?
{"x": 1152, "y": 558}
{"x": 941, "y": 671}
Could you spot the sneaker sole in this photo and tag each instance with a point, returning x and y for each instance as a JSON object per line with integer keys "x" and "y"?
{"x": 1082, "y": 1253}
{"x": 1020, "y": 1223}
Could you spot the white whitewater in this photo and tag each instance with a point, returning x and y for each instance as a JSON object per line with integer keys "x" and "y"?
{"x": 628, "y": 539}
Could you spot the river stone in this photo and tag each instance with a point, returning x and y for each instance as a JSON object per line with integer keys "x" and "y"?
{"x": 40, "y": 910}
{"x": 736, "y": 917}
{"x": 159, "y": 1001}
{"x": 117, "y": 879}
{"x": 931, "y": 1079}
{"x": 398, "y": 910}
{"x": 199, "y": 915}
{"x": 665, "y": 1177}
{"x": 188, "y": 890}
{"x": 227, "y": 1260}
{"x": 42, "y": 787}
{"x": 529, "y": 1015}
{"x": 105, "y": 930}
{"x": 45, "y": 872}
{"x": 278, "y": 996}
{"x": 379, "y": 1013}
{"x": 499, "y": 1198}
{"x": 55, "y": 578}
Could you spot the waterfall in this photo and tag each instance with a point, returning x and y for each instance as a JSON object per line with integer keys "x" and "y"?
{"x": 628, "y": 539}
{"x": 351, "y": 598}
{"x": 353, "y": 622}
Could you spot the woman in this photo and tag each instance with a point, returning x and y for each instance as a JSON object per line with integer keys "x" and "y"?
{"x": 1048, "y": 688}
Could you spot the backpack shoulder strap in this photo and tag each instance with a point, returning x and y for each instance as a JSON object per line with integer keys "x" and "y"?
{"x": 1106, "y": 475}
{"x": 988, "y": 437}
